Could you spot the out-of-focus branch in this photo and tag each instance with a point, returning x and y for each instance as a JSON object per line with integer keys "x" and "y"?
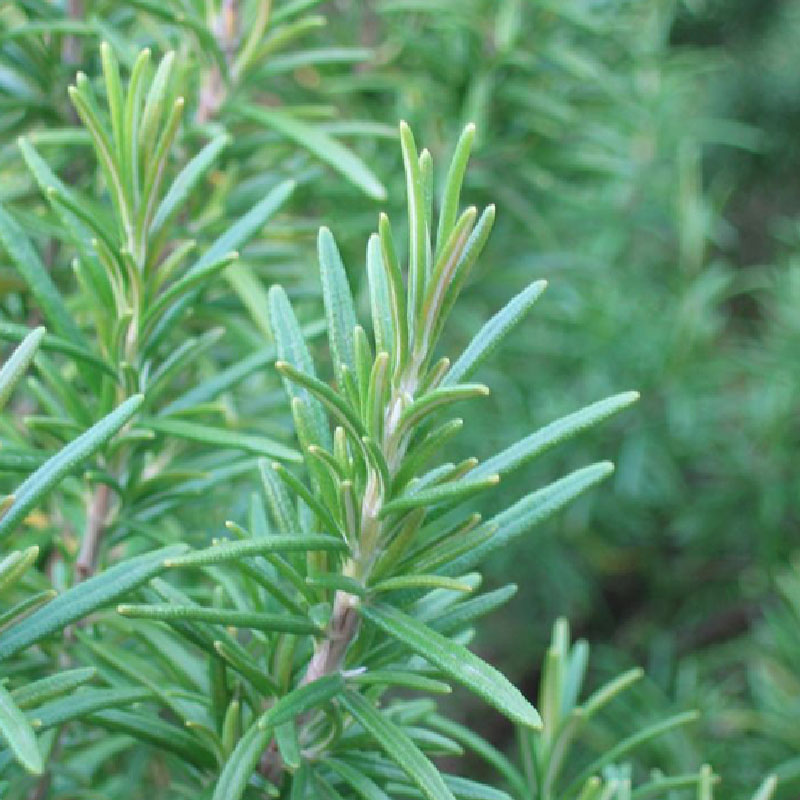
{"x": 96, "y": 516}
{"x": 226, "y": 31}
{"x": 71, "y": 49}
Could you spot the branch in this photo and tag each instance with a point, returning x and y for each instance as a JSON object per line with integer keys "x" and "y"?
{"x": 95, "y": 525}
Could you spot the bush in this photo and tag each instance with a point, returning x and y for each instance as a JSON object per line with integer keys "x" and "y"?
{"x": 143, "y": 223}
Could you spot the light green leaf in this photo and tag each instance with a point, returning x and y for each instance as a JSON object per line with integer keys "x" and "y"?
{"x": 193, "y": 431}
{"x": 16, "y": 333}
{"x": 288, "y": 744}
{"x": 417, "y": 230}
{"x": 452, "y": 190}
{"x": 395, "y": 677}
{"x": 187, "y": 179}
{"x": 54, "y": 469}
{"x": 400, "y": 582}
{"x": 445, "y": 493}
{"x": 233, "y": 618}
{"x": 455, "y": 661}
{"x": 240, "y": 766}
{"x": 15, "y": 565}
{"x": 233, "y": 551}
{"x": 245, "y": 228}
{"x": 437, "y": 399}
{"x": 532, "y": 510}
{"x": 18, "y": 363}
{"x": 293, "y": 350}
{"x": 379, "y": 296}
{"x": 82, "y": 599}
{"x": 18, "y": 734}
{"x": 630, "y": 743}
{"x": 193, "y": 278}
{"x": 398, "y": 746}
{"x": 323, "y": 146}
{"x": 493, "y": 332}
{"x": 556, "y": 432}
{"x": 339, "y": 310}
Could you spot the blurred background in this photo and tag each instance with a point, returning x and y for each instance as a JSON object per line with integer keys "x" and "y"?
{"x": 644, "y": 158}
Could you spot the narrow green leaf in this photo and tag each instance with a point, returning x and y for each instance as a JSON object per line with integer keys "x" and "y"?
{"x": 445, "y": 493}
{"x": 18, "y": 362}
{"x": 532, "y": 510}
{"x": 25, "y": 607}
{"x": 239, "y": 659}
{"x": 493, "y": 332}
{"x": 37, "y": 692}
{"x": 530, "y": 447}
{"x": 455, "y": 661}
{"x": 417, "y": 231}
{"x": 238, "y": 234}
{"x": 397, "y": 295}
{"x": 339, "y": 310}
{"x": 233, "y": 551}
{"x": 630, "y": 743}
{"x": 304, "y": 698}
{"x": 116, "y": 107}
{"x": 193, "y": 431}
{"x": 437, "y": 399}
{"x": 86, "y": 702}
{"x": 187, "y": 179}
{"x": 334, "y": 402}
{"x": 398, "y": 746}
{"x": 280, "y": 502}
{"x": 48, "y": 475}
{"x": 100, "y": 591}
{"x": 196, "y": 277}
{"x": 288, "y": 744}
{"x": 419, "y": 582}
{"x": 292, "y": 349}
{"x": 15, "y": 565}
{"x": 162, "y": 735}
{"x": 608, "y": 691}
{"x": 16, "y": 333}
{"x": 220, "y": 382}
{"x": 33, "y": 272}
{"x": 104, "y": 150}
{"x": 396, "y": 677}
{"x": 452, "y": 187}
{"x": 229, "y": 617}
{"x": 18, "y": 734}
{"x": 154, "y": 106}
{"x": 365, "y": 787}
{"x": 465, "y": 613}
{"x": 323, "y": 146}
{"x": 380, "y": 299}
{"x": 469, "y": 255}
{"x": 767, "y": 788}
{"x": 471, "y": 741}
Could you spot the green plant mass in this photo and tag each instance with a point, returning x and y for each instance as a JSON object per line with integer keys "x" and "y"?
{"x": 298, "y": 490}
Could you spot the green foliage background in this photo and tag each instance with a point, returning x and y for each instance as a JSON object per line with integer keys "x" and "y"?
{"x": 642, "y": 155}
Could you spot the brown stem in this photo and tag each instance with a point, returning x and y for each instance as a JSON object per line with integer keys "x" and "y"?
{"x": 95, "y": 525}
{"x": 213, "y": 90}
{"x": 343, "y": 627}
{"x": 71, "y": 50}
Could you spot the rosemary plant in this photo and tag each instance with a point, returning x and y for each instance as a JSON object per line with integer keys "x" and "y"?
{"x": 353, "y": 578}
